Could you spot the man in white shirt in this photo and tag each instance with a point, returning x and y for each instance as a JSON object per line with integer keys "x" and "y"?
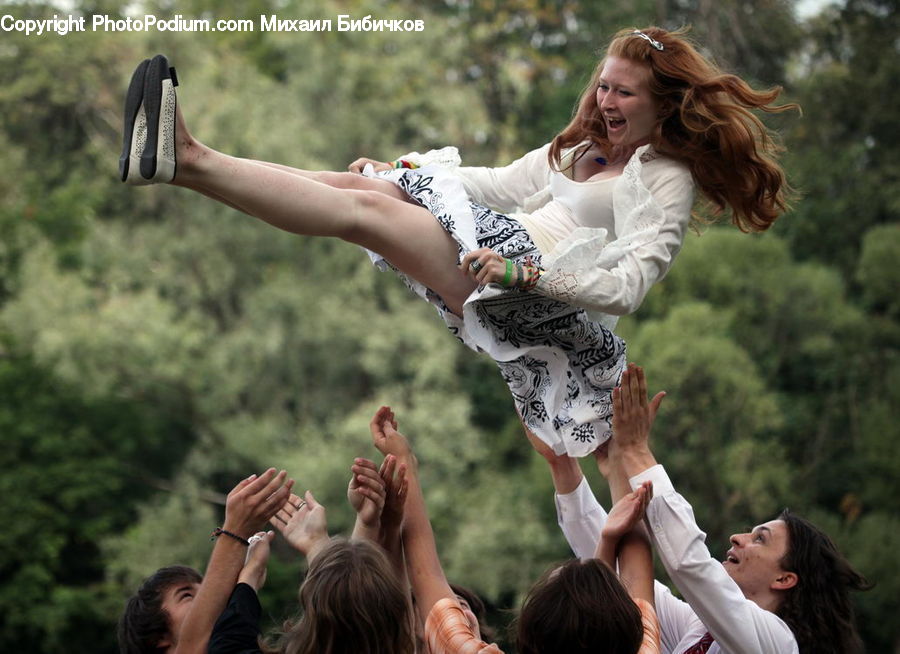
{"x": 783, "y": 587}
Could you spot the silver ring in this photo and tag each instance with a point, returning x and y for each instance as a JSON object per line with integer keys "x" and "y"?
{"x": 300, "y": 505}
{"x": 254, "y": 538}
{"x": 475, "y": 266}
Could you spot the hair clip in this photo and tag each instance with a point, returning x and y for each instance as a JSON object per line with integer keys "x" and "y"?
{"x": 656, "y": 44}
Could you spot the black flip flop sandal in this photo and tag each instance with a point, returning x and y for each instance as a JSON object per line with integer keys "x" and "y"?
{"x": 158, "y": 157}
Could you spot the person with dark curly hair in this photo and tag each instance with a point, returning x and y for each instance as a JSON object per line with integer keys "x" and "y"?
{"x": 782, "y": 587}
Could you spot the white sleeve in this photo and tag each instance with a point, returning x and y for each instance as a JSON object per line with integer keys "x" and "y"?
{"x": 651, "y": 222}
{"x": 738, "y": 625}
{"x": 505, "y": 189}
{"x": 581, "y": 519}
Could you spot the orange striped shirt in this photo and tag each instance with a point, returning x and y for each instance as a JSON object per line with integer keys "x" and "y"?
{"x": 448, "y": 632}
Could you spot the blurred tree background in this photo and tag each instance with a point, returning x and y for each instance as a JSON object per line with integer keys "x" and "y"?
{"x": 156, "y": 347}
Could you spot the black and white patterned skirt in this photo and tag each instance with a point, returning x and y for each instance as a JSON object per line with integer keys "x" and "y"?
{"x": 560, "y": 365}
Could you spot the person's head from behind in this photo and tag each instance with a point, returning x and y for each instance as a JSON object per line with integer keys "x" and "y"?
{"x": 818, "y": 607}
{"x": 151, "y": 622}
{"x": 579, "y": 607}
{"x": 351, "y": 602}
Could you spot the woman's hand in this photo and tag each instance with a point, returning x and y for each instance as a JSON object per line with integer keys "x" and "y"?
{"x": 254, "y": 501}
{"x": 302, "y": 523}
{"x": 358, "y": 165}
{"x": 487, "y": 267}
{"x": 366, "y": 492}
{"x": 387, "y": 439}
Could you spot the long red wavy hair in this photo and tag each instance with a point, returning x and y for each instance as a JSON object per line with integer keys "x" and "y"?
{"x": 705, "y": 122}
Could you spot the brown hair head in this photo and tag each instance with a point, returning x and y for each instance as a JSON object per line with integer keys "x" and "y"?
{"x": 144, "y": 622}
{"x": 350, "y": 603}
{"x": 705, "y": 122}
{"x": 818, "y": 608}
{"x": 579, "y": 607}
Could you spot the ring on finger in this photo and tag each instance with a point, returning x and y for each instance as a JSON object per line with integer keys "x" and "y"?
{"x": 300, "y": 505}
{"x": 475, "y": 266}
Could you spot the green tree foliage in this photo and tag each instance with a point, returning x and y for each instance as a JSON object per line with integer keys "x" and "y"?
{"x": 846, "y": 155}
{"x": 72, "y": 471}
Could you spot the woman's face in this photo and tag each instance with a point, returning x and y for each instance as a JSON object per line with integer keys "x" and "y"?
{"x": 629, "y": 108}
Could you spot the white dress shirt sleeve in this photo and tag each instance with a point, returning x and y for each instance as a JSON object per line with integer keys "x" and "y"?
{"x": 581, "y": 519}
{"x": 738, "y": 625}
{"x": 505, "y": 189}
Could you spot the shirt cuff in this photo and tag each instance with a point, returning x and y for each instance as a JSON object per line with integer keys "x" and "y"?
{"x": 662, "y": 485}
{"x": 577, "y": 504}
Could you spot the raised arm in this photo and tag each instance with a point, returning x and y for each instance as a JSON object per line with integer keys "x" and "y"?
{"x": 397, "y": 488}
{"x": 426, "y": 575}
{"x": 248, "y": 506}
{"x": 625, "y": 541}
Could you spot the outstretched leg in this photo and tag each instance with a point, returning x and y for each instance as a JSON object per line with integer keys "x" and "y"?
{"x": 372, "y": 213}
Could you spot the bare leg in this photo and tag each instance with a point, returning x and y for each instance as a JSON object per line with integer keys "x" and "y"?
{"x": 342, "y": 180}
{"x": 372, "y": 216}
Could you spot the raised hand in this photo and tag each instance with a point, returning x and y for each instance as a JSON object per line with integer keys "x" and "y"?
{"x": 255, "y": 500}
{"x": 627, "y": 512}
{"x": 302, "y": 523}
{"x": 633, "y": 415}
{"x": 366, "y": 492}
{"x": 386, "y": 438}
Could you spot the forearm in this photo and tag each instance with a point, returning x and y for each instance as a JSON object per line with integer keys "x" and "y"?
{"x": 632, "y": 461}
{"x": 606, "y": 551}
{"x": 391, "y": 540}
{"x": 636, "y": 563}
{"x": 362, "y": 531}
{"x": 225, "y": 564}
{"x": 426, "y": 575}
{"x": 566, "y": 474}
{"x": 580, "y": 518}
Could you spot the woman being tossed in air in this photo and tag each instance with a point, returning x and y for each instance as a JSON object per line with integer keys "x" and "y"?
{"x": 598, "y": 215}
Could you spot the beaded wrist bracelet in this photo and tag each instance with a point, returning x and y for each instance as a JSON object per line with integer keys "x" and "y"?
{"x": 529, "y": 277}
{"x": 403, "y": 163}
{"x": 218, "y": 531}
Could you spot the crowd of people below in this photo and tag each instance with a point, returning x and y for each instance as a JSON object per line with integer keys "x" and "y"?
{"x": 783, "y": 587}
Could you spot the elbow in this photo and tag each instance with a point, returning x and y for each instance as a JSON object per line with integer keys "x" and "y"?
{"x": 624, "y": 303}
